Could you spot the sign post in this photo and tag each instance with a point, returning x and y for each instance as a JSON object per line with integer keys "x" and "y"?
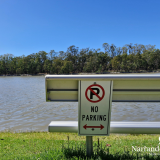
{"x": 94, "y": 113}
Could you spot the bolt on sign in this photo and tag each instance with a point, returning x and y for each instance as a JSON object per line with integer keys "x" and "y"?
{"x": 94, "y": 107}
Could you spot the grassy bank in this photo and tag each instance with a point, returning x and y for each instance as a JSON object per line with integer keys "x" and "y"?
{"x": 45, "y": 145}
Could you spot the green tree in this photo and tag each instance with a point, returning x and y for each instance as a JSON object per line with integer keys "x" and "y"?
{"x": 47, "y": 66}
{"x": 116, "y": 63}
{"x": 57, "y": 66}
{"x": 72, "y": 55}
{"x": 67, "y": 67}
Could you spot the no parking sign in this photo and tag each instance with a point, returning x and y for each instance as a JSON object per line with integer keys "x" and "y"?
{"x": 95, "y": 101}
{"x": 91, "y": 89}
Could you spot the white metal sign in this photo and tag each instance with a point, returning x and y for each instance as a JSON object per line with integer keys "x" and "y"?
{"x": 95, "y": 101}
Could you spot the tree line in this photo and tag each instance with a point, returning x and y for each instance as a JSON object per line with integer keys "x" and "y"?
{"x": 129, "y": 58}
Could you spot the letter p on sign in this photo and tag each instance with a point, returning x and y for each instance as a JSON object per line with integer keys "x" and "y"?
{"x": 95, "y": 93}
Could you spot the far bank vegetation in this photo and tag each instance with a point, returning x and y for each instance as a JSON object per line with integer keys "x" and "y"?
{"x": 129, "y": 58}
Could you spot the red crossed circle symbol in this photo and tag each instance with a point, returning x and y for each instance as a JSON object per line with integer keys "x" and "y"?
{"x": 99, "y": 98}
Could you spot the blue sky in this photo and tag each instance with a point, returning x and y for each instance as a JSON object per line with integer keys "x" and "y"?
{"x": 30, "y": 26}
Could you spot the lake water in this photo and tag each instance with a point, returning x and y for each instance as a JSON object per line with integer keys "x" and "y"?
{"x": 23, "y": 106}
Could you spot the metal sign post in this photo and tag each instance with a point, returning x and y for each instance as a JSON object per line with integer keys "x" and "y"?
{"x": 89, "y": 146}
{"x": 94, "y": 114}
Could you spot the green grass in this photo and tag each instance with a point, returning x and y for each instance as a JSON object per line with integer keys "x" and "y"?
{"x": 45, "y": 145}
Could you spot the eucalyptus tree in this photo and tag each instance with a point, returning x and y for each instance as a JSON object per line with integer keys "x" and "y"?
{"x": 72, "y": 55}
{"x": 82, "y": 58}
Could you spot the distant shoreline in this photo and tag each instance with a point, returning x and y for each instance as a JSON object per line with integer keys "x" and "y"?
{"x": 44, "y": 74}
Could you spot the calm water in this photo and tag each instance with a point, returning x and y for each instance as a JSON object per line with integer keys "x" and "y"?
{"x": 23, "y": 106}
